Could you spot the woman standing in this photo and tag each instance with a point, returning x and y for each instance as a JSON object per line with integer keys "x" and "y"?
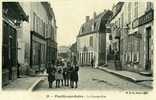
{"x": 59, "y": 76}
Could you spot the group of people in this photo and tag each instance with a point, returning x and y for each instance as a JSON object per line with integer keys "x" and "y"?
{"x": 64, "y": 74}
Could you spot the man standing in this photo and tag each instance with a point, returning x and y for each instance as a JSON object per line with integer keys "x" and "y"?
{"x": 92, "y": 62}
{"x": 51, "y": 74}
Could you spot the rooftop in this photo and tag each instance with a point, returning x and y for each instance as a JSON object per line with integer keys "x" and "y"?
{"x": 96, "y": 24}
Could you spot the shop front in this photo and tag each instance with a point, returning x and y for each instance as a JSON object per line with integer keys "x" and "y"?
{"x": 11, "y": 20}
{"x": 141, "y": 42}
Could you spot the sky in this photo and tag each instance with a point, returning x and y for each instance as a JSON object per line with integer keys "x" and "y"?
{"x": 70, "y": 15}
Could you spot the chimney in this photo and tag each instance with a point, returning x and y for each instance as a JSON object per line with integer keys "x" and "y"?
{"x": 87, "y": 18}
{"x": 94, "y": 15}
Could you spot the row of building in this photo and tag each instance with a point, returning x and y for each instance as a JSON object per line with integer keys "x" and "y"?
{"x": 29, "y": 38}
{"x": 128, "y": 29}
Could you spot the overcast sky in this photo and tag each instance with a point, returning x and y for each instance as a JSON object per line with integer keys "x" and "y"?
{"x": 70, "y": 15}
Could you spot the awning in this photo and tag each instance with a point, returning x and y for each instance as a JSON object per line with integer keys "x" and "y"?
{"x": 14, "y": 10}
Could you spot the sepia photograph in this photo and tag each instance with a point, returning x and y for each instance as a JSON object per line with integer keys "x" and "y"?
{"x": 61, "y": 45}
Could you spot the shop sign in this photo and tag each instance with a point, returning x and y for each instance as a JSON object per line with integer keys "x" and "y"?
{"x": 147, "y": 17}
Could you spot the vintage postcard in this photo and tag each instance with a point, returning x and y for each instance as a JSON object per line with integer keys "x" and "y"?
{"x": 77, "y": 49}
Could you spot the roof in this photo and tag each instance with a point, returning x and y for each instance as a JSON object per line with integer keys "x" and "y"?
{"x": 116, "y": 9}
{"x": 95, "y": 25}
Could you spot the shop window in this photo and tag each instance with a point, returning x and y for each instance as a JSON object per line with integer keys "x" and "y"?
{"x": 136, "y": 9}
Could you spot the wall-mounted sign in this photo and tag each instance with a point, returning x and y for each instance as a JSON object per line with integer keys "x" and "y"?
{"x": 147, "y": 17}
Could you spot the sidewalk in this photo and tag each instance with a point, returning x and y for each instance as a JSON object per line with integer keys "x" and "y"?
{"x": 131, "y": 76}
{"x": 23, "y": 83}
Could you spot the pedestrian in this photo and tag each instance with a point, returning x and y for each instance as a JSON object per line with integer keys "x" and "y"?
{"x": 69, "y": 70}
{"x": 59, "y": 76}
{"x": 65, "y": 74}
{"x": 74, "y": 76}
{"x": 92, "y": 62}
{"x": 51, "y": 74}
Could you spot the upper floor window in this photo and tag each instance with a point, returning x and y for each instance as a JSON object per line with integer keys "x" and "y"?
{"x": 34, "y": 21}
{"x": 122, "y": 19}
{"x": 119, "y": 23}
{"x": 129, "y": 12}
{"x": 91, "y": 41}
{"x": 136, "y": 9}
{"x": 82, "y": 29}
{"x": 149, "y": 6}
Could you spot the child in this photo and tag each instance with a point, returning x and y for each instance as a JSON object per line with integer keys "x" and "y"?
{"x": 59, "y": 76}
{"x": 51, "y": 75}
{"x": 74, "y": 76}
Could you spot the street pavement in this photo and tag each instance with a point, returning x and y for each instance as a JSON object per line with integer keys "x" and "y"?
{"x": 95, "y": 79}
{"x": 23, "y": 83}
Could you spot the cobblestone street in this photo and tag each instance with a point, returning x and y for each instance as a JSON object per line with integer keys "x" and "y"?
{"x": 90, "y": 80}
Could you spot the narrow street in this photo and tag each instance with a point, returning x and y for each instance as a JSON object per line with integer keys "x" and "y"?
{"x": 56, "y": 37}
{"x": 90, "y": 80}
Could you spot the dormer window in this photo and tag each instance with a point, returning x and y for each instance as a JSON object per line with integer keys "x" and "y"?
{"x": 82, "y": 29}
{"x": 149, "y": 6}
{"x": 93, "y": 26}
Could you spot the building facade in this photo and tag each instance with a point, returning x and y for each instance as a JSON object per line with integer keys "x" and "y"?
{"x": 132, "y": 35}
{"x": 91, "y": 41}
{"x": 11, "y": 24}
{"x": 40, "y": 35}
{"x": 29, "y": 38}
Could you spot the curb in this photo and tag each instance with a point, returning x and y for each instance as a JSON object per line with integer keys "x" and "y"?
{"x": 32, "y": 88}
{"x": 122, "y": 76}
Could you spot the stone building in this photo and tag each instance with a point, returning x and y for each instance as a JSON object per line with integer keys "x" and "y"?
{"x": 29, "y": 37}
{"x": 91, "y": 40}
{"x": 39, "y": 35}
{"x": 13, "y": 15}
{"x": 132, "y": 34}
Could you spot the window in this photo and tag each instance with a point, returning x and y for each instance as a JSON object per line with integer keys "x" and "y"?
{"x": 122, "y": 19}
{"x": 149, "y": 6}
{"x": 119, "y": 23}
{"x": 91, "y": 41}
{"x": 44, "y": 29}
{"x": 34, "y": 22}
{"x": 136, "y": 9}
{"x": 129, "y": 12}
{"x": 43, "y": 55}
{"x": 82, "y": 30}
